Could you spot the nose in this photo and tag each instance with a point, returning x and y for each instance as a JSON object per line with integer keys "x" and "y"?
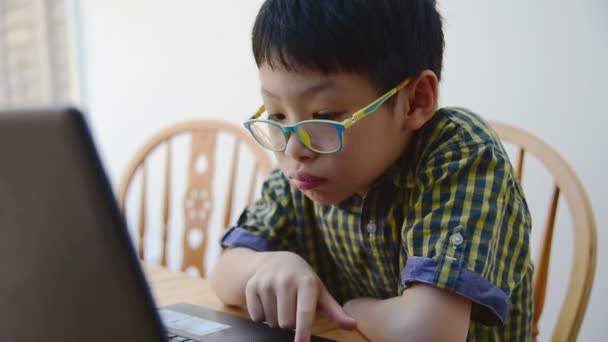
{"x": 296, "y": 150}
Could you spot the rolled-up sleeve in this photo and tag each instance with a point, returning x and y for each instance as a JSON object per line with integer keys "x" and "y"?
{"x": 468, "y": 228}
{"x": 268, "y": 224}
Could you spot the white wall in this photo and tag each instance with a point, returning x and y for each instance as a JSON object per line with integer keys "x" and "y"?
{"x": 539, "y": 65}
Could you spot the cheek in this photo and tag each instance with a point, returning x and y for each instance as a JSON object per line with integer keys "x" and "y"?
{"x": 280, "y": 158}
{"x": 282, "y": 162}
{"x": 369, "y": 132}
{"x": 354, "y": 140}
{"x": 359, "y": 145}
{"x": 345, "y": 166}
{"x": 367, "y": 152}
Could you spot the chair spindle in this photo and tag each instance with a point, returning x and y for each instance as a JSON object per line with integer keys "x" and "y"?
{"x": 520, "y": 163}
{"x": 542, "y": 271}
{"x": 232, "y": 181}
{"x": 166, "y": 201}
{"x": 252, "y": 183}
{"x": 142, "y": 208}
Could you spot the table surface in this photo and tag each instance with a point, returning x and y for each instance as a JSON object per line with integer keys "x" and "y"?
{"x": 170, "y": 287}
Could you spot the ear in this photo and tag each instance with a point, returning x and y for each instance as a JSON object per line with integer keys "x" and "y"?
{"x": 423, "y": 99}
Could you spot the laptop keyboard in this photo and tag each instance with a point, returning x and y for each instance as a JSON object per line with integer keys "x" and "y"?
{"x": 175, "y": 338}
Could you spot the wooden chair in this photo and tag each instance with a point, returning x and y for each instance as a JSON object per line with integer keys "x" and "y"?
{"x": 584, "y": 233}
{"x": 198, "y": 200}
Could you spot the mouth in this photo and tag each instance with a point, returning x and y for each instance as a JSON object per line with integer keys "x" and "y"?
{"x": 305, "y": 181}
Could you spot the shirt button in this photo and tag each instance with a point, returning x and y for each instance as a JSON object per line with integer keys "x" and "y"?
{"x": 371, "y": 227}
{"x": 457, "y": 239}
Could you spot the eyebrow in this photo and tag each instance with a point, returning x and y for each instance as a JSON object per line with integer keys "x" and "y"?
{"x": 315, "y": 88}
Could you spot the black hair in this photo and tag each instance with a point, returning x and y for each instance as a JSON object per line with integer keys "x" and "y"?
{"x": 386, "y": 40}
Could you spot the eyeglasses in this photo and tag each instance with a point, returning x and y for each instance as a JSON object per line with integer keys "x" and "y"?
{"x": 319, "y": 136}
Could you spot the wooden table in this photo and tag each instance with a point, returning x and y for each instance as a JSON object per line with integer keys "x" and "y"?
{"x": 170, "y": 287}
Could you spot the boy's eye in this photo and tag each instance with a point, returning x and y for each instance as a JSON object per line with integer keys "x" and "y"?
{"x": 276, "y": 117}
{"x": 328, "y": 116}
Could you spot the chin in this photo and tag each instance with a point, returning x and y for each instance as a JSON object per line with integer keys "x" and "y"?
{"x": 323, "y": 198}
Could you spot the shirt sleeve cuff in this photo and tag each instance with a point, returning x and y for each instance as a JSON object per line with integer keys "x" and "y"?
{"x": 491, "y": 304}
{"x": 241, "y": 237}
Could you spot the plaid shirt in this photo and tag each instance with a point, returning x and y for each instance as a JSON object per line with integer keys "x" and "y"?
{"x": 449, "y": 213}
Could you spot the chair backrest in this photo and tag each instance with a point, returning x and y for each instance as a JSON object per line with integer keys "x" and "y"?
{"x": 198, "y": 201}
{"x": 582, "y": 272}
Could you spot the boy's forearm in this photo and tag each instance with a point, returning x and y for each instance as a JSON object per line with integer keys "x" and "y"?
{"x": 376, "y": 318}
{"x": 386, "y": 320}
{"x": 232, "y": 271}
{"x": 418, "y": 316}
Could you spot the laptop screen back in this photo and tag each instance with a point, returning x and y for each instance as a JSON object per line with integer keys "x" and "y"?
{"x": 67, "y": 268}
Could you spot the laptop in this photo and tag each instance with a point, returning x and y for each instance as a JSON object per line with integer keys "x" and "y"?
{"x": 68, "y": 270}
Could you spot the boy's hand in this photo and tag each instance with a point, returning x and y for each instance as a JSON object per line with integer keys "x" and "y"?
{"x": 286, "y": 292}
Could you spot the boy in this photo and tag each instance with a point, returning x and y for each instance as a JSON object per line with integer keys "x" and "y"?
{"x": 402, "y": 220}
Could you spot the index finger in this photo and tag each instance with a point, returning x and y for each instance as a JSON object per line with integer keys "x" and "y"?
{"x": 308, "y": 295}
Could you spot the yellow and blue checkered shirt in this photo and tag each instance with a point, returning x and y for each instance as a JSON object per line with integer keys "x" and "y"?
{"x": 450, "y": 213}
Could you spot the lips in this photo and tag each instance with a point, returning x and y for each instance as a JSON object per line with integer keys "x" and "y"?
{"x": 305, "y": 181}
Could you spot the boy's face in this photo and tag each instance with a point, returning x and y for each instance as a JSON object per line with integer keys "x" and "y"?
{"x": 370, "y": 146}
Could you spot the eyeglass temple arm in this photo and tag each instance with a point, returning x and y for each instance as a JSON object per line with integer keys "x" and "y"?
{"x": 258, "y": 113}
{"x": 358, "y": 115}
